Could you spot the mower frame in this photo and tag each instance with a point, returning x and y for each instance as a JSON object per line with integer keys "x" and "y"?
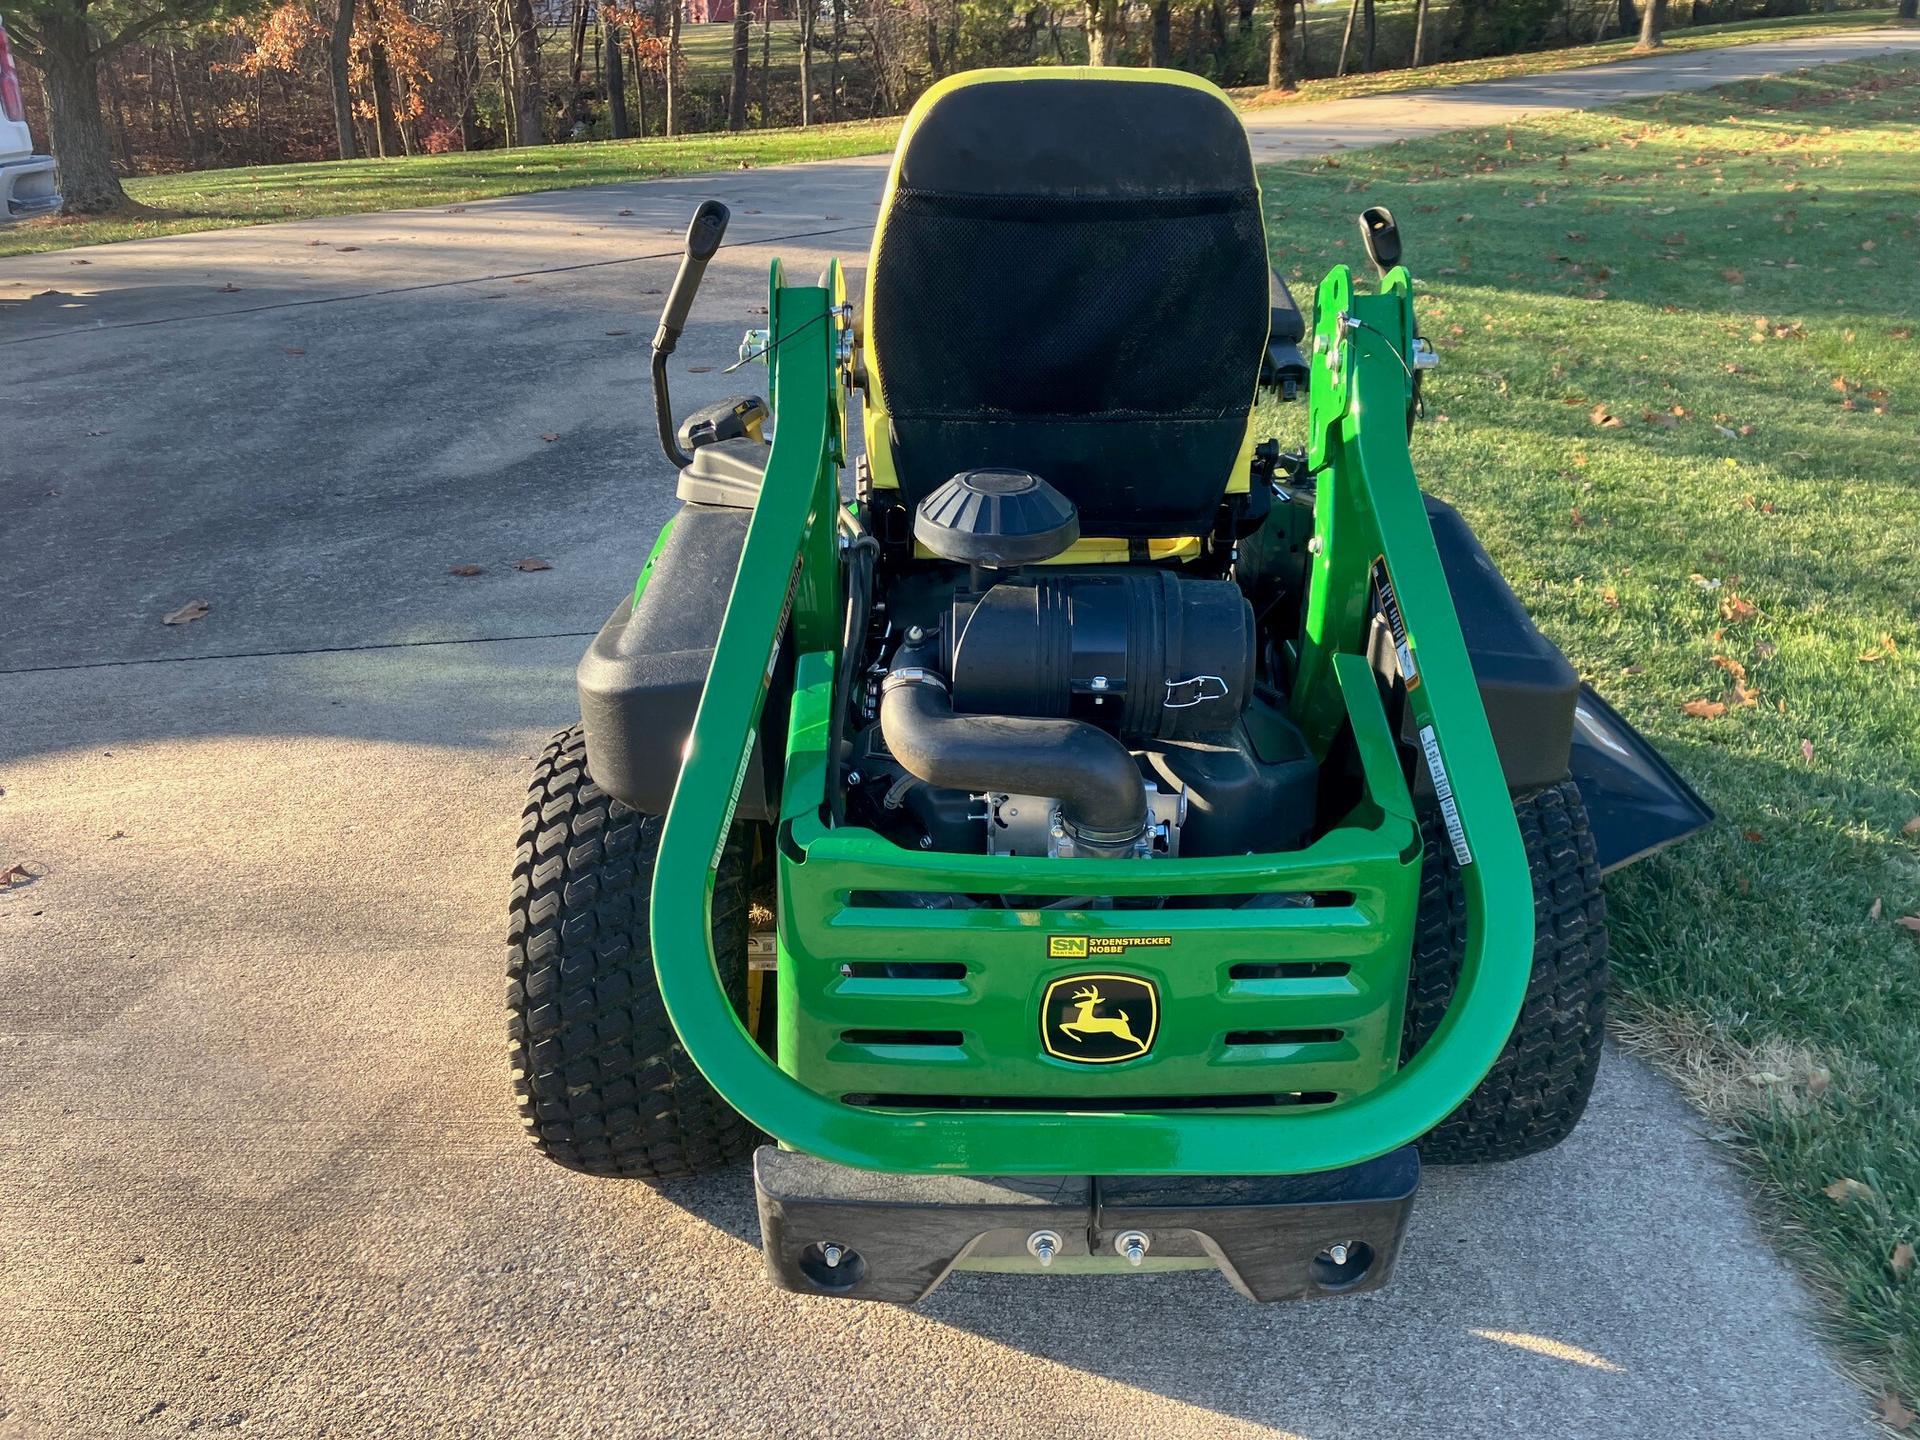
{"x": 1371, "y": 534}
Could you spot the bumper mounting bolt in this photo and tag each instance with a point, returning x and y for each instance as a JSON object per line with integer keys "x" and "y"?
{"x": 1043, "y": 1245}
{"x": 1337, "y": 1254}
{"x": 833, "y": 1255}
{"x": 1132, "y": 1244}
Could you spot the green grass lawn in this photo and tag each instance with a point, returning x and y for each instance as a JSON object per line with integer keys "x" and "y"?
{"x": 1324, "y": 31}
{"x": 1679, "y": 400}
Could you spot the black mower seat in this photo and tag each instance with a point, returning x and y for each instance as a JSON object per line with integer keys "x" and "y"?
{"x": 1069, "y": 276}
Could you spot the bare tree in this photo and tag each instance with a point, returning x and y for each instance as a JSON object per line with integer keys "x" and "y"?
{"x": 809, "y": 20}
{"x": 1419, "y": 31}
{"x": 339, "y": 52}
{"x": 1283, "y": 71}
{"x": 616, "y": 80}
{"x": 527, "y": 100}
{"x": 1654, "y": 12}
{"x": 742, "y": 41}
{"x": 1162, "y": 32}
{"x": 1346, "y": 39}
{"x": 1106, "y": 26}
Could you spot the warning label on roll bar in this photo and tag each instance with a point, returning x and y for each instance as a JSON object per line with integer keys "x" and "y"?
{"x": 1396, "y": 623}
{"x": 1443, "y": 792}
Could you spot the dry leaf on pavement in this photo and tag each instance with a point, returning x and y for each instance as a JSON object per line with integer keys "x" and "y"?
{"x": 187, "y": 613}
{"x": 530, "y": 564}
{"x": 465, "y": 570}
{"x": 1894, "y": 1413}
{"x": 550, "y": 437}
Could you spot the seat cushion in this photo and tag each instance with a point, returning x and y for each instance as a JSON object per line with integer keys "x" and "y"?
{"x": 1070, "y": 277}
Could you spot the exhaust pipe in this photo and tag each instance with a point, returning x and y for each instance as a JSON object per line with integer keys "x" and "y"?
{"x": 1103, "y": 802}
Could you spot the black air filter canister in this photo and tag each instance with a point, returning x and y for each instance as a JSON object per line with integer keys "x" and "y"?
{"x": 1146, "y": 654}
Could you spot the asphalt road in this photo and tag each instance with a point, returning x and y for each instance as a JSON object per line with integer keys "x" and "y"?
{"x": 259, "y": 1168}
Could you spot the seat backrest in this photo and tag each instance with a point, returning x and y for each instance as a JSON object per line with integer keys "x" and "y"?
{"x": 1069, "y": 276}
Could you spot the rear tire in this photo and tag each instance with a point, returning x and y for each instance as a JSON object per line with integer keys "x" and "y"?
{"x": 1538, "y": 1088}
{"x": 603, "y": 1082}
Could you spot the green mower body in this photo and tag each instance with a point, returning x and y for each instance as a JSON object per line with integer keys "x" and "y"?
{"x": 1063, "y": 1041}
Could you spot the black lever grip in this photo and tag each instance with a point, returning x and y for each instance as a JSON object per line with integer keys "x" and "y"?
{"x": 1381, "y": 237}
{"x": 703, "y": 238}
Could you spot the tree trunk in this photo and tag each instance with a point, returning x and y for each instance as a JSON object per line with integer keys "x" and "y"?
{"x": 577, "y": 62}
{"x": 339, "y": 52}
{"x": 1283, "y": 72}
{"x": 1105, "y": 25}
{"x": 1653, "y": 12}
{"x": 527, "y": 100}
{"x": 71, "y": 72}
{"x": 1629, "y": 21}
{"x": 1346, "y": 39}
{"x": 833, "y": 62}
{"x": 1246, "y": 9}
{"x": 737, "y": 91}
{"x": 1910, "y": 9}
{"x": 673, "y": 71}
{"x": 1419, "y": 31}
{"x": 933, "y": 47}
{"x": 117, "y": 107}
{"x": 809, "y": 18}
{"x": 1162, "y": 33}
{"x": 766, "y": 63}
{"x": 388, "y": 136}
{"x": 616, "y": 82}
{"x": 1372, "y": 33}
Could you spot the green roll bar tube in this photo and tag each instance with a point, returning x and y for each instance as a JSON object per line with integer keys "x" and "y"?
{"x": 1369, "y": 513}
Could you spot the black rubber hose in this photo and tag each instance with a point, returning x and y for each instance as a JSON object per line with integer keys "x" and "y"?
{"x": 1102, "y": 800}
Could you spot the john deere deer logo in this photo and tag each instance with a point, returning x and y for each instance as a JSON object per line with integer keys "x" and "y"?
{"x": 1099, "y": 1019}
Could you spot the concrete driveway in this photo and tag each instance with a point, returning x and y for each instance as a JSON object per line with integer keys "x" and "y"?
{"x": 260, "y": 1169}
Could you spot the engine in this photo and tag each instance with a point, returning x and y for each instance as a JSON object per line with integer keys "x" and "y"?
{"x": 1110, "y": 712}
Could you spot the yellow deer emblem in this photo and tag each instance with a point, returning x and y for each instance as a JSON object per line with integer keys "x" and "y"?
{"x": 1073, "y": 1027}
{"x": 1086, "y": 1000}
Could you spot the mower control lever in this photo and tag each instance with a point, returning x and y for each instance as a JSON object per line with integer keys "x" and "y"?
{"x": 703, "y": 239}
{"x": 1381, "y": 237}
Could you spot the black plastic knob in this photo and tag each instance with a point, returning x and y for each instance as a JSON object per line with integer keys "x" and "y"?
{"x": 996, "y": 519}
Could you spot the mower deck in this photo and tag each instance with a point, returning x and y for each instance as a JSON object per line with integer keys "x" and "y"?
{"x": 896, "y": 1237}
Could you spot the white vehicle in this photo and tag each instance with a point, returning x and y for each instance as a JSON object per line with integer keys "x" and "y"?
{"x": 27, "y": 181}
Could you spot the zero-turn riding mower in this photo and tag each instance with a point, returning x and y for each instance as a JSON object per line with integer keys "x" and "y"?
{"x": 1106, "y": 841}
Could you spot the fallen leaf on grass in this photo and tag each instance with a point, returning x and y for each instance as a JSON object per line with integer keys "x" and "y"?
{"x": 1752, "y": 836}
{"x": 1605, "y": 418}
{"x": 465, "y": 571}
{"x": 1735, "y": 608}
{"x": 1893, "y": 1412}
{"x": 1873, "y": 910}
{"x": 187, "y": 613}
{"x": 530, "y": 565}
{"x": 1885, "y": 650}
{"x": 1901, "y": 1261}
{"x": 1912, "y": 827}
{"x": 1610, "y": 598}
{"x": 1846, "y": 1189}
{"x": 1909, "y": 922}
{"x": 1806, "y": 751}
{"x": 1704, "y": 709}
{"x": 1730, "y": 275}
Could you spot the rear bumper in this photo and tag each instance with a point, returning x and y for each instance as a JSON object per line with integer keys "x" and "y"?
{"x": 899, "y": 1236}
{"x": 29, "y": 187}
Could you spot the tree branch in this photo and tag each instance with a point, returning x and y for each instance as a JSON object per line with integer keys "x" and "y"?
{"x": 25, "y": 41}
{"x": 138, "y": 30}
